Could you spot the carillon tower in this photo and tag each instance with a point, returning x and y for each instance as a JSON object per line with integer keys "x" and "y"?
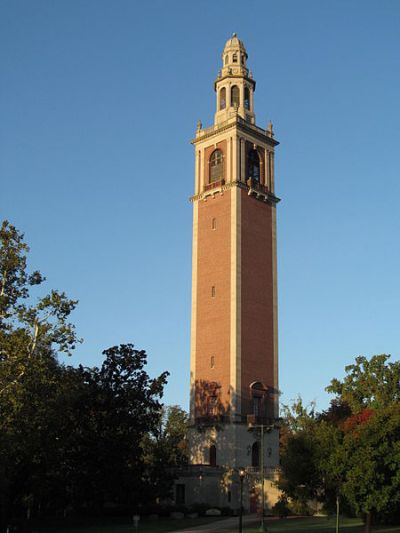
{"x": 234, "y": 349}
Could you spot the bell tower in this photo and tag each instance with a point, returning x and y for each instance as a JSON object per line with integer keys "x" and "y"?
{"x": 234, "y": 349}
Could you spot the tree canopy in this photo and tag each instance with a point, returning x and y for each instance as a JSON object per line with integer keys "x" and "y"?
{"x": 70, "y": 437}
{"x": 352, "y": 450}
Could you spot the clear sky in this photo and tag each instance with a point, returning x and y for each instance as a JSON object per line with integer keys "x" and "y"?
{"x": 98, "y": 102}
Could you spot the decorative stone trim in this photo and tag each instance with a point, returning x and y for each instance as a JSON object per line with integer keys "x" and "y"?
{"x": 220, "y": 189}
{"x": 242, "y": 124}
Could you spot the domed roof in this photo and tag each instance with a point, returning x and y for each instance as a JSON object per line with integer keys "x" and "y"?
{"x": 234, "y": 43}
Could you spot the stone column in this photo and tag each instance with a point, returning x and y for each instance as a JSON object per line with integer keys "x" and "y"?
{"x": 202, "y": 170}
{"x": 242, "y": 161}
{"x": 272, "y": 170}
{"x": 266, "y": 167}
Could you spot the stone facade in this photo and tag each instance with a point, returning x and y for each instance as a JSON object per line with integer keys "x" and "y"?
{"x": 234, "y": 351}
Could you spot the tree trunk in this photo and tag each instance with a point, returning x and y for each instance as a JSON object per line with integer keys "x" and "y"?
{"x": 368, "y": 523}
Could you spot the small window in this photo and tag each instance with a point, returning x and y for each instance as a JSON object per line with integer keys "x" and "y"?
{"x": 235, "y": 97}
{"x": 222, "y": 98}
{"x": 234, "y": 58}
{"x": 213, "y": 455}
{"x": 180, "y": 494}
{"x": 226, "y": 59}
{"x": 213, "y": 291}
{"x": 216, "y": 166}
{"x": 214, "y": 223}
{"x": 242, "y": 58}
{"x": 246, "y": 98}
{"x": 257, "y": 405}
{"x": 212, "y": 361}
{"x": 255, "y": 455}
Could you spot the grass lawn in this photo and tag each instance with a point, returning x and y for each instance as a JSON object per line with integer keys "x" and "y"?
{"x": 290, "y": 525}
{"x": 318, "y": 525}
{"x": 146, "y": 526}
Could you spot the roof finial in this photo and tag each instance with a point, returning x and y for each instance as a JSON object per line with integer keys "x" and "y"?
{"x": 234, "y": 34}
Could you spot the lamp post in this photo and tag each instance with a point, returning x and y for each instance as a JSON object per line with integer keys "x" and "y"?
{"x": 337, "y": 513}
{"x": 241, "y": 477}
{"x": 262, "y": 479}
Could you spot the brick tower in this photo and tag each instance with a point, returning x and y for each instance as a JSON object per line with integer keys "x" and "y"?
{"x": 234, "y": 351}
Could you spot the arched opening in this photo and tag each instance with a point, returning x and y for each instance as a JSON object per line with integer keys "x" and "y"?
{"x": 216, "y": 166}
{"x": 234, "y": 58}
{"x": 255, "y": 455}
{"x": 246, "y": 98}
{"x": 253, "y": 165}
{"x": 226, "y": 59}
{"x": 222, "y": 98}
{"x": 235, "y": 96}
{"x": 213, "y": 455}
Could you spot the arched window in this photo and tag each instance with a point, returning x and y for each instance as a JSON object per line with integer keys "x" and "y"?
{"x": 255, "y": 455}
{"x": 242, "y": 58}
{"x": 246, "y": 98}
{"x": 213, "y": 455}
{"x": 234, "y": 58}
{"x": 222, "y": 98}
{"x": 235, "y": 97}
{"x": 226, "y": 59}
{"x": 216, "y": 166}
{"x": 253, "y": 165}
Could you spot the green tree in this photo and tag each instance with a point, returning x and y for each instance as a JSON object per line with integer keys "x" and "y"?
{"x": 68, "y": 436}
{"x": 369, "y": 451}
{"x": 119, "y": 404}
{"x": 28, "y": 328}
{"x": 351, "y": 450}
{"x": 32, "y": 332}
{"x": 369, "y": 383}
{"x": 300, "y": 479}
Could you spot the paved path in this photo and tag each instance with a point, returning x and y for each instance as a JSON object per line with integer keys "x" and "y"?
{"x": 222, "y": 525}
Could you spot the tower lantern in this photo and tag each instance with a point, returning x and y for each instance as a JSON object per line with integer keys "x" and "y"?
{"x": 234, "y": 87}
{"x": 234, "y": 348}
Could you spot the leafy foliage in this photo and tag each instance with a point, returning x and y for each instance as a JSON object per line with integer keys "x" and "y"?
{"x": 352, "y": 450}
{"x": 69, "y": 437}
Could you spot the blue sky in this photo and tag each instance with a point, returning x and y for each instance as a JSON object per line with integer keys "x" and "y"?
{"x": 98, "y": 102}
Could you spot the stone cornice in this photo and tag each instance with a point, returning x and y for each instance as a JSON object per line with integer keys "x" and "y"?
{"x": 241, "y": 125}
{"x": 259, "y": 195}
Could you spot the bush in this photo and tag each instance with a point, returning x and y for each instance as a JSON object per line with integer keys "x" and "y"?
{"x": 281, "y": 508}
{"x": 200, "y": 508}
{"x": 299, "y": 507}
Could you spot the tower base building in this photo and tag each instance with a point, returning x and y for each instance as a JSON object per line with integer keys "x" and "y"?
{"x": 234, "y": 348}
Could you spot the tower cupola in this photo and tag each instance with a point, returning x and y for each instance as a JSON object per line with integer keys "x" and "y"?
{"x": 234, "y": 85}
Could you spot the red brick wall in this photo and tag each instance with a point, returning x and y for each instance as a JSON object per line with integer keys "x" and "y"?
{"x": 213, "y": 314}
{"x": 257, "y": 296}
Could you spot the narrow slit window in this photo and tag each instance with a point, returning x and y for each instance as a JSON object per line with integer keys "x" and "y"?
{"x": 235, "y": 96}
{"x": 222, "y": 98}
{"x": 214, "y": 223}
{"x": 216, "y": 166}
{"x": 212, "y": 361}
{"x": 246, "y": 98}
{"x": 213, "y": 455}
{"x": 253, "y": 170}
{"x": 213, "y": 291}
